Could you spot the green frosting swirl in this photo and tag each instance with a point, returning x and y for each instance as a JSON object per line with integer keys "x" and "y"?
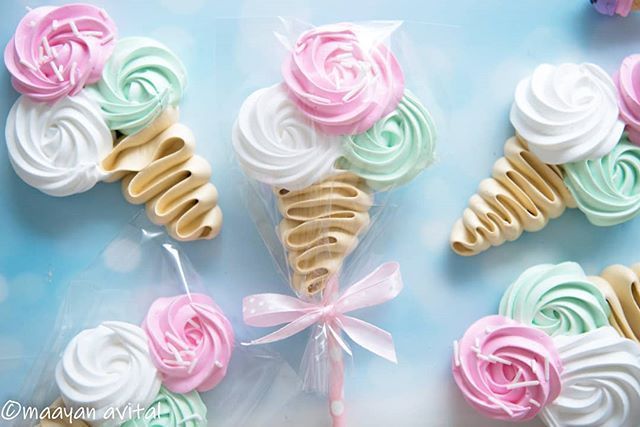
{"x": 395, "y": 149}
{"x": 558, "y": 299}
{"x": 140, "y": 80}
{"x": 607, "y": 189}
{"x": 170, "y": 409}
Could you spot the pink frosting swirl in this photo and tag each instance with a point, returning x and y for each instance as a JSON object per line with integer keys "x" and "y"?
{"x": 506, "y": 370}
{"x": 341, "y": 82}
{"x": 628, "y": 82}
{"x": 56, "y": 51}
{"x": 190, "y": 342}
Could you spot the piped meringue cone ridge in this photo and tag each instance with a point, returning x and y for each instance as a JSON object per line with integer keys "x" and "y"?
{"x": 320, "y": 227}
{"x": 522, "y": 195}
{"x": 158, "y": 166}
{"x": 621, "y": 287}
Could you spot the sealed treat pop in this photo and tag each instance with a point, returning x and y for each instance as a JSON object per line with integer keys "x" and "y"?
{"x": 328, "y": 151}
{"x": 322, "y": 146}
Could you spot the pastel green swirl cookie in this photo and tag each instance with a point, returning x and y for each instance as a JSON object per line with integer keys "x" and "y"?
{"x": 395, "y": 149}
{"x": 558, "y": 299}
{"x": 172, "y": 409}
{"x": 607, "y": 189}
{"x": 140, "y": 80}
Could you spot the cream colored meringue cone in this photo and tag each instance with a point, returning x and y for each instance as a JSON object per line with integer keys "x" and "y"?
{"x": 320, "y": 227}
{"x": 621, "y": 287}
{"x": 522, "y": 195}
{"x": 58, "y": 417}
{"x": 158, "y": 166}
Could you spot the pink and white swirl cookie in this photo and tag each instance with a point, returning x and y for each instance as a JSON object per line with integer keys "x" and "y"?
{"x": 506, "y": 370}
{"x": 56, "y": 51}
{"x": 340, "y": 80}
{"x": 190, "y": 341}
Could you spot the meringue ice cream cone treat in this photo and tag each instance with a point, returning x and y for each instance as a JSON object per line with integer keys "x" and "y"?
{"x": 522, "y": 195}
{"x": 552, "y": 352}
{"x": 105, "y": 112}
{"x": 158, "y": 166}
{"x": 320, "y": 227}
{"x": 620, "y": 285}
{"x": 569, "y": 151}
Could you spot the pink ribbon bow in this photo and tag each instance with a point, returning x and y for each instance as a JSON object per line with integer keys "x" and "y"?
{"x": 382, "y": 285}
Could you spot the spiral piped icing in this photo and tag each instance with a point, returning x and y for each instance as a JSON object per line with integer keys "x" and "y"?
{"x": 56, "y": 51}
{"x": 627, "y": 80}
{"x": 343, "y": 78}
{"x": 395, "y": 149}
{"x": 558, "y": 299}
{"x": 57, "y": 148}
{"x": 190, "y": 340}
{"x": 600, "y": 381}
{"x": 277, "y": 145}
{"x": 141, "y": 79}
{"x": 506, "y": 370}
{"x": 171, "y": 410}
{"x": 567, "y": 113}
{"x": 607, "y": 190}
{"x": 107, "y": 368}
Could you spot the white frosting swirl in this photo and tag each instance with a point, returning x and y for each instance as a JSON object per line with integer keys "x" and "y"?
{"x": 600, "y": 381}
{"x": 276, "y": 144}
{"x": 57, "y": 148}
{"x": 107, "y": 367}
{"x": 567, "y": 113}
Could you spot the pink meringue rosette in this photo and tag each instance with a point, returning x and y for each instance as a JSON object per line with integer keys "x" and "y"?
{"x": 628, "y": 82}
{"x": 190, "y": 342}
{"x": 342, "y": 83}
{"x": 56, "y": 51}
{"x": 506, "y": 370}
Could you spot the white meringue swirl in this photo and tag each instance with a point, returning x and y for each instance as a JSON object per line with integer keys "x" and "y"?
{"x": 567, "y": 113}
{"x": 276, "y": 144}
{"x": 57, "y": 148}
{"x": 600, "y": 381}
{"x": 107, "y": 367}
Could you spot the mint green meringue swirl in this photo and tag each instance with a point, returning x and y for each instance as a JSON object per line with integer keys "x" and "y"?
{"x": 395, "y": 149}
{"x": 140, "y": 80}
{"x": 558, "y": 299}
{"x": 171, "y": 409}
{"x": 607, "y": 189}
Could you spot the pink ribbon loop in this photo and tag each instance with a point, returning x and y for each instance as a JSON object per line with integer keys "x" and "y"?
{"x": 380, "y": 286}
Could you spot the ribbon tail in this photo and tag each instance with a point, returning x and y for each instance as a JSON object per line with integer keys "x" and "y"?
{"x": 288, "y": 330}
{"x": 382, "y": 285}
{"x": 370, "y": 337}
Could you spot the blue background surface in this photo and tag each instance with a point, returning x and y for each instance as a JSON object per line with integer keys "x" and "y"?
{"x": 475, "y": 51}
